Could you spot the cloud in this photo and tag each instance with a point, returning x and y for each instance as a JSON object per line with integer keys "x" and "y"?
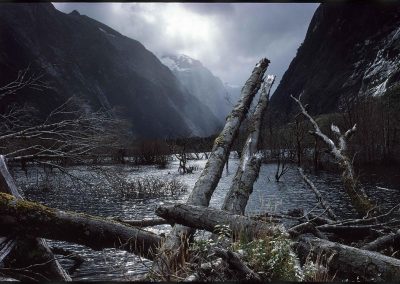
{"x": 227, "y": 38}
{"x": 220, "y": 9}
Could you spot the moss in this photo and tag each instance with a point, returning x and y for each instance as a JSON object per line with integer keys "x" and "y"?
{"x": 219, "y": 140}
{"x": 5, "y": 198}
{"x": 28, "y": 208}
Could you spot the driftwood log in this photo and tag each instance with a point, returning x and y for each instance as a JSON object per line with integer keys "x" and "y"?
{"x": 351, "y": 261}
{"x": 172, "y": 251}
{"x": 249, "y": 166}
{"x": 15, "y": 251}
{"x": 391, "y": 239}
{"x": 206, "y": 218}
{"x": 24, "y": 218}
{"x": 235, "y": 263}
{"x": 347, "y": 260}
{"x": 318, "y": 194}
{"x": 144, "y": 222}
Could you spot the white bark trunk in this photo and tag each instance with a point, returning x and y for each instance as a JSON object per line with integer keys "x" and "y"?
{"x": 172, "y": 251}
{"x": 206, "y": 218}
{"x": 356, "y": 193}
{"x": 249, "y": 167}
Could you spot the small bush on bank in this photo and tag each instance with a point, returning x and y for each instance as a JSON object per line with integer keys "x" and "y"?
{"x": 148, "y": 187}
{"x": 271, "y": 257}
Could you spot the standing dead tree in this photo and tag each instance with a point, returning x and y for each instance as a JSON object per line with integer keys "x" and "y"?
{"x": 179, "y": 150}
{"x": 282, "y": 166}
{"x": 299, "y": 134}
{"x": 249, "y": 167}
{"x": 172, "y": 251}
{"x": 356, "y": 193}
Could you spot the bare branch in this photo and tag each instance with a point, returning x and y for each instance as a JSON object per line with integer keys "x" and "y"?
{"x": 25, "y": 79}
{"x": 320, "y": 199}
{"x": 356, "y": 193}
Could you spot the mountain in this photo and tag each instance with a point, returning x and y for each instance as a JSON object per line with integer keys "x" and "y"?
{"x": 202, "y": 83}
{"x": 80, "y": 56}
{"x": 234, "y": 92}
{"x": 349, "y": 50}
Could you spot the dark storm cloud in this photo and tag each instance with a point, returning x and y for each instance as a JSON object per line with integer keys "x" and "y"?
{"x": 228, "y": 38}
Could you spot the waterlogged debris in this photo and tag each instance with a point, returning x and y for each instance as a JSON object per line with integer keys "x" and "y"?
{"x": 386, "y": 189}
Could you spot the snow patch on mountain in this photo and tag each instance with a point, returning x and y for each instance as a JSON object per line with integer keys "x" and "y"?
{"x": 385, "y": 65}
{"x": 202, "y": 83}
{"x": 172, "y": 64}
{"x": 106, "y": 32}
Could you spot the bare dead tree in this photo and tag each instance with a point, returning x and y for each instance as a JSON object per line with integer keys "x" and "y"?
{"x": 353, "y": 188}
{"x": 249, "y": 167}
{"x": 179, "y": 150}
{"x": 173, "y": 250}
{"x": 300, "y": 131}
{"x": 25, "y": 79}
{"x": 69, "y": 132}
{"x": 282, "y": 152}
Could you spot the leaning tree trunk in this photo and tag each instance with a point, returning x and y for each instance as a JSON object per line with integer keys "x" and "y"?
{"x": 16, "y": 254}
{"x": 21, "y": 217}
{"x": 172, "y": 251}
{"x": 249, "y": 167}
{"x": 358, "y": 197}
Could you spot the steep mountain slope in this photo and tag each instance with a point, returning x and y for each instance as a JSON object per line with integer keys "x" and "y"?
{"x": 234, "y": 92}
{"x": 349, "y": 50}
{"x": 200, "y": 82}
{"x": 80, "y": 56}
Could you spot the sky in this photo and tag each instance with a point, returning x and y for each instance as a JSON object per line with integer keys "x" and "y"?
{"x": 228, "y": 38}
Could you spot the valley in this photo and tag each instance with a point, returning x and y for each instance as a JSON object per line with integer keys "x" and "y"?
{"x": 152, "y": 158}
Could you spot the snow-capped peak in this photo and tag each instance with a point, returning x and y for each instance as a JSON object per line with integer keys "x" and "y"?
{"x": 180, "y": 62}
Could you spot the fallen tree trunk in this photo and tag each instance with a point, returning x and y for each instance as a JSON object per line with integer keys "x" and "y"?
{"x": 352, "y": 262}
{"x": 347, "y": 260}
{"x": 249, "y": 166}
{"x": 392, "y": 239}
{"x": 144, "y": 222}
{"x": 40, "y": 251}
{"x": 172, "y": 250}
{"x": 235, "y": 263}
{"x": 26, "y": 218}
{"x": 6, "y": 245}
{"x": 306, "y": 227}
{"x": 318, "y": 194}
{"x": 206, "y": 218}
{"x": 206, "y": 269}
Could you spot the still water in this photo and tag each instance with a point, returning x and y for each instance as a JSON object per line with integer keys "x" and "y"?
{"x": 268, "y": 196}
